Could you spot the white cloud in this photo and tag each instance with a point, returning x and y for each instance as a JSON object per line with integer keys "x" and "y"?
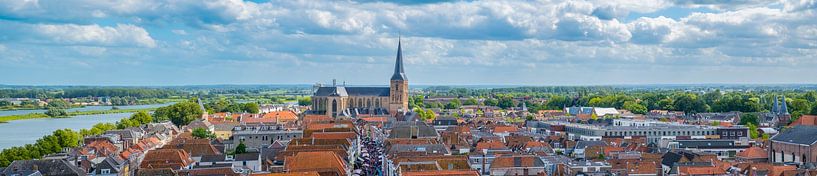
{"x": 121, "y": 34}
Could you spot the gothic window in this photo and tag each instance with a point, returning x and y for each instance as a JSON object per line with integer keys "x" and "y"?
{"x": 377, "y": 103}
{"x": 368, "y": 103}
{"x": 334, "y": 106}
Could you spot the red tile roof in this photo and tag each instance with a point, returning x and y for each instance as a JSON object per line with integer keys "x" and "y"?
{"x": 282, "y": 116}
{"x": 805, "y": 120}
{"x": 334, "y": 135}
{"x": 166, "y": 158}
{"x": 490, "y": 145}
{"x": 511, "y": 161}
{"x": 443, "y": 173}
{"x": 753, "y": 152}
{"x": 503, "y": 129}
{"x": 321, "y": 162}
{"x": 700, "y": 170}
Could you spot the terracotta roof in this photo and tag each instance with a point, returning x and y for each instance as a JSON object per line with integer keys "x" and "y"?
{"x": 517, "y": 161}
{"x": 490, "y": 145}
{"x": 700, "y": 170}
{"x": 375, "y": 119}
{"x": 442, "y": 173}
{"x": 210, "y": 171}
{"x": 321, "y": 162}
{"x": 195, "y": 147}
{"x": 282, "y": 116}
{"x": 166, "y": 158}
{"x": 805, "y": 120}
{"x": 334, "y": 135}
{"x": 289, "y": 174}
{"x": 753, "y": 152}
{"x": 503, "y": 129}
{"x": 532, "y": 144}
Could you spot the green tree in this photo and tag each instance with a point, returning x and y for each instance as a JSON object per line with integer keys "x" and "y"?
{"x": 453, "y": 104}
{"x": 305, "y": 101}
{"x": 250, "y": 108}
{"x": 471, "y": 101}
{"x": 241, "y": 148}
{"x": 59, "y": 103}
{"x": 202, "y": 133}
{"x": 506, "y": 102}
{"x": 143, "y": 117}
{"x": 180, "y": 113}
{"x": 56, "y": 112}
{"x": 689, "y": 103}
{"x": 127, "y": 123}
{"x": 752, "y": 130}
{"x": 491, "y": 102}
{"x": 749, "y": 118}
{"x": 634, "y": 107}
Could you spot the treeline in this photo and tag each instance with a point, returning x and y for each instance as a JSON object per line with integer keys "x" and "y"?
{"x": 223, "y": 105}
{"x": 89, "y": 92}
{"x": 635, "y": 100}
{"x": 66, "y": 138}
{"x": 117, "y": 92}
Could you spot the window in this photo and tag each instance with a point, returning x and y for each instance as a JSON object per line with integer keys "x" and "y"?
{"x": 105, "y": 171}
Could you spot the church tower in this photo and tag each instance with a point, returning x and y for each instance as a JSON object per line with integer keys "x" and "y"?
{"x": 398, "y": 87}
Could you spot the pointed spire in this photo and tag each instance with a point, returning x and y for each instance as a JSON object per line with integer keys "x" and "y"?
{"x": 783, "y": 108}
{"x": 776, "y": 105}
{"x": 399, "y": 74}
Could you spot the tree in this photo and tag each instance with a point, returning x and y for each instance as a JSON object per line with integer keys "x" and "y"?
{"x": 59, "y": 103}
{"x": 634, "y": 107}
{"x": 689, "y": 103}
{"x": 716, "y": 123}
{"x": 202, "y": 133}
{"x": 241, "y": 148}
{"x": 127, "y": 123}
{"x": 180, "y": 113}
{"x": 506, "y": 102}
{"x": 56, "y": 112}
{"x": 471, "y": 101}
{"x": 453, "y": 104}
{"x": 491, "y": 102}
{"x": 143, "y": 117}
{"x": 752, "y": 130}
{"x": 749, "y": 118}
{"x": 250, "y": 108}
{"x": 305, "y": 101}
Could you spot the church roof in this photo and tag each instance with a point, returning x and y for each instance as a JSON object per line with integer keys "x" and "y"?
{"x": 352, "y": 91}
{"x": 399, "y": 74}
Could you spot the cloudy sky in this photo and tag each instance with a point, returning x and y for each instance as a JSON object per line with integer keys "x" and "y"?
{"x": 577, "y": 42}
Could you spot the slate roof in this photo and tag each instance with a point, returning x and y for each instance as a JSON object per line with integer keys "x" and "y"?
{"x": 585, "y": 144}
{"x": 708, "y": 144}
{"x": 799, "y": 135}
{"x": 46, "y": 167}
{"x": 353, "y": 91}
{"x": 410, "y": 129}
{"x": 399, "y": 73}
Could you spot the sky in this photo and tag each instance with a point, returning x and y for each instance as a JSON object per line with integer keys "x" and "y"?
{"x": 496, "y": 42}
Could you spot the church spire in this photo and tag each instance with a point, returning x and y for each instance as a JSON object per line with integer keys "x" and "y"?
{"x": 399, "y": 74}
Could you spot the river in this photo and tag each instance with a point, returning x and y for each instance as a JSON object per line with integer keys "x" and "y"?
{"x": 21, "y": 132}
{"x": 86, "y": 108}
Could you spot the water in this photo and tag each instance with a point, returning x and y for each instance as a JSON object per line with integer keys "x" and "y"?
{"x": 21, "y": 132}
{"x": 86, "y": 108}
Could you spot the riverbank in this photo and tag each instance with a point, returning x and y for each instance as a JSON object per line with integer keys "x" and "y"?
{"x": 5, "y": 119}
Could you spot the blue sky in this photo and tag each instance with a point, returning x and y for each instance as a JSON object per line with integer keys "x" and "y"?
{"x": 548, "y": 42}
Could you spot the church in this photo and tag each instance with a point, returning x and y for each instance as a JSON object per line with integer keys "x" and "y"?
{"x": 339, "y": 100}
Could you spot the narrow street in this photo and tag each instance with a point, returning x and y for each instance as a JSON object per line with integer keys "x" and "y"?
{"x": 371, "y": 155}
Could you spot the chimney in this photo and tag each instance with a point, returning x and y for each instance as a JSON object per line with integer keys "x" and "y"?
{"x": 334, "y": 83}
